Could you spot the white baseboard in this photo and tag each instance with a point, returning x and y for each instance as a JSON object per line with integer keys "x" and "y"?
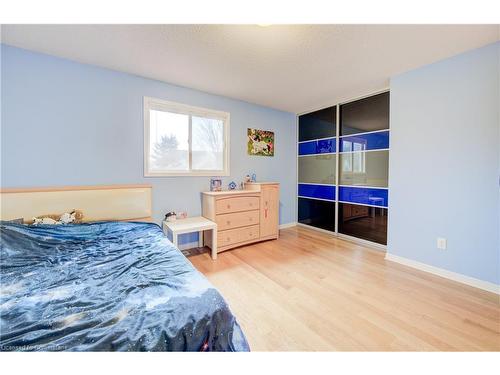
{"x": 288, "y": 225}
{"x": 471, "y": 281}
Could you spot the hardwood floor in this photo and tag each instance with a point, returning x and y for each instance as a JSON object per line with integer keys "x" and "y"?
{"x": 309, "y": 291}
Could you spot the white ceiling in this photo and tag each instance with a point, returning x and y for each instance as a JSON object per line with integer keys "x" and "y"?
{"x": 294, "y": 68}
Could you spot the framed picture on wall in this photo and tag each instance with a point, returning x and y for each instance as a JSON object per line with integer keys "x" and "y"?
{"x": 260, "y": 142}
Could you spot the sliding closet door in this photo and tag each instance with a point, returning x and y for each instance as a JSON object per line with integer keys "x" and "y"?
{"x": 317, "y": 168}
{"x": 363, "y": 168}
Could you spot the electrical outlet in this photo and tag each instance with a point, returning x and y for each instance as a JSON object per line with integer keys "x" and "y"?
{"x": 441, "y": 243}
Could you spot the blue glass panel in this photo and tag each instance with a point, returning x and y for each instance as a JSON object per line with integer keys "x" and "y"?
{"x": 370, "y": 141}
{"x": 317, "y": 191}
{"x": 317, "y": 147}
{"x": 374, "y": 197}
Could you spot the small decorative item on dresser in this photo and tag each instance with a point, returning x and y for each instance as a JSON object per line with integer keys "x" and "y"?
{"x": 170, "y": 216}
{"x": 232, "y": 185}
{"x": 254, "y": 178}
{"x": 215, "y": 184}
{"x": 247, "y": 178}
{"x": 182, "y": 215}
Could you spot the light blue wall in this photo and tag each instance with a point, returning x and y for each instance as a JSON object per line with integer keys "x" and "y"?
{"x": 66, "y": 123}
{"x": 445, "y": 164}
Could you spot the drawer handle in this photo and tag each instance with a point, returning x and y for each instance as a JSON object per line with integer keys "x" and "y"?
{"x": 250, "y": 218}
{"x": 228, "y": 222}
{"x": 251, "y": 204}
{"x": 228, "y": 206}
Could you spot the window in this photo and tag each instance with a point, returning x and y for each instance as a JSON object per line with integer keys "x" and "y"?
{"x": 181, "y": 140}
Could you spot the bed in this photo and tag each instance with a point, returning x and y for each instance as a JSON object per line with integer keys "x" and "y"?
{"x": 106, "y": 286}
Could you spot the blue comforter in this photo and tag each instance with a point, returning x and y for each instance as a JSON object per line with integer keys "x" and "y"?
{"x": 105, "y": 287}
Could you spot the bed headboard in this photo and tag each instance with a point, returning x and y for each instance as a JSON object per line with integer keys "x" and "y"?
{"x": 113, "y": 202}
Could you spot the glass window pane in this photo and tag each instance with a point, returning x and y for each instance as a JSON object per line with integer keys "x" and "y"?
{"x": 365, "y": 115}
{"x": 364, "y": 168}
{"x": 319, "y": 214}
{"x": 319, "y": 124}
{"x": 208, "y": 144}
{"x": 319, "y": 169}
{"x": 368, "y": 223}
{"x": 168, "y": 141}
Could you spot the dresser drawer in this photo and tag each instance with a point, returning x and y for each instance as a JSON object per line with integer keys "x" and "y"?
{"x": 237, "y": 219}
{"x": 234, "y": 236}
{"x": 236, "y": 204}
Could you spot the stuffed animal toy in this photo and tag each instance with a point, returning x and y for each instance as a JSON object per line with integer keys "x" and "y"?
{"x": 78, "y": 216}
{"x": 74, "y": 216}
{"x": 44, "y": 220}
{"x": 67, "y": 218}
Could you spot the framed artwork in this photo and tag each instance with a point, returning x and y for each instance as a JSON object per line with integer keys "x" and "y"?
{"x": 215, "y": 184}
{"x": 260, "y": 142}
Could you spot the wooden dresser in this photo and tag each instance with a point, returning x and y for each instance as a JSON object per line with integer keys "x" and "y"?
{"x": 243, "y": 216}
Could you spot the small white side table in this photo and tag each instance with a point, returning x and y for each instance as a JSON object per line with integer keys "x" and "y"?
{"x": 190, "y": 225}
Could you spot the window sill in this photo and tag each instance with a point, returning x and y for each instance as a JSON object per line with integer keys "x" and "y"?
{"x": 189, "y": 174}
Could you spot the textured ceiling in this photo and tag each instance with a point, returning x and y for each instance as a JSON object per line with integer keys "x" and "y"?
{"x": 290, "y": 67}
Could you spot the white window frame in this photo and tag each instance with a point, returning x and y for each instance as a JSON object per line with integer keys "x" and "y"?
{"x": 184, "y": 109}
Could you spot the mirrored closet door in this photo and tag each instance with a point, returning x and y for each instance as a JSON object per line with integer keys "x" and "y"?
{"x": 343, "y": 164}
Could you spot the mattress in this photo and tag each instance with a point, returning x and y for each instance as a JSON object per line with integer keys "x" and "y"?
{"x": 109, "y": 286}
